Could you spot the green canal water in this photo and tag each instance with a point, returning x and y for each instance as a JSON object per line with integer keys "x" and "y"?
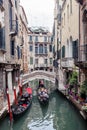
{"x": 59, "y": 114}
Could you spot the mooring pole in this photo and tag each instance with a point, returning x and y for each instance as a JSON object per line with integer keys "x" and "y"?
{"x": 20, "y": 89}
{"x": 9, "y": 107}
{"x": 15, "y": 96}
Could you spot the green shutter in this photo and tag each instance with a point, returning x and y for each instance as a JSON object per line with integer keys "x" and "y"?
{"x": 63, "y": 51}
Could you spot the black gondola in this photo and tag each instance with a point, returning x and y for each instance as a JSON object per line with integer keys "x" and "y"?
{"x": 43, "y": 95}
{"x": 23, "y": 104}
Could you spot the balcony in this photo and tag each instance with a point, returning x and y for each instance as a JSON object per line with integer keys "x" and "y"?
{"x": 1, "y": 5}
{"x": 41, "y": 54}
{"x": 13, "y": 27}
{"x": 67, "y": 62}
{"x": 82, "y": 59}
{"x": 41, "y": 65}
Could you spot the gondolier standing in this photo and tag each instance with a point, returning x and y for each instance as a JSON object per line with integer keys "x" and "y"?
{"x": 41, "y": 84}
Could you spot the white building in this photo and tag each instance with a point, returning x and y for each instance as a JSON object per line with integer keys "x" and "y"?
{"x": 40, "y": 49}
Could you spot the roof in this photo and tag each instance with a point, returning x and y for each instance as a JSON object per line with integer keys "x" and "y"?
{"x": 39, "y": 30}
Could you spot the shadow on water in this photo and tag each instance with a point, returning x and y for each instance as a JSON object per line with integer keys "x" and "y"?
{"x": 44, "y": 109}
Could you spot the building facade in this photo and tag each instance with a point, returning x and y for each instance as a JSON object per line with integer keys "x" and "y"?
{"x": 13, "y": 45}
{"x": 24, "y": 41}
{"x": 82, "y": 48}
{"x": 12, "y": 56}
{"x": 40, "y": 50}
{"x": 68, "y": 38}
{"x": 2, "y": 48}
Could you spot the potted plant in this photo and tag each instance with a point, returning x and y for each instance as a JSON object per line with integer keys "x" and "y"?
{"x": 83, "y": 90}
{"x": 73, "y": 82}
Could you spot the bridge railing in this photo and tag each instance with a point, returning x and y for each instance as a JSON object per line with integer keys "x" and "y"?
{"x": 35, "y": 74}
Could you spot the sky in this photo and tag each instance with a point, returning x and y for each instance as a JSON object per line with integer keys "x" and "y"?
{"x": 39, "y": 12}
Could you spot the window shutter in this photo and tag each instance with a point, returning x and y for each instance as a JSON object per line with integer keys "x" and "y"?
{"x": 63, "y": 51}
{"x": 75, "y": 49}
{"x": 2, "y": 38}
{"x": 12, "y": 47}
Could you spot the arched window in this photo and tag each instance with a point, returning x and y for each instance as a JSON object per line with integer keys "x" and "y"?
{"x": 40, "y": 49}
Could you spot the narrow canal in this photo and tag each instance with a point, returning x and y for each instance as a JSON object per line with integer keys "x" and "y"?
{"x": 58, "y": 115}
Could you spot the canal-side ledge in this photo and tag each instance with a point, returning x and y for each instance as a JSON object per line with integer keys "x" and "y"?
{"x": 74, "y": 102}
{"x": 4, "y": 110}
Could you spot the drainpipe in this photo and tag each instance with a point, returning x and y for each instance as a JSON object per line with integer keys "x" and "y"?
{"x": 79, "y": 43}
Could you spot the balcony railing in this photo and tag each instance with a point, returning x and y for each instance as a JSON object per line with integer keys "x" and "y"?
{"x": 82, "y": 58}
{"x": 41, "y": 54}
{"x": 41, "y": 65}
{"x": 67, "y": 62}
{"x": 13, "y": 27}
{"x": 82, "y": 53}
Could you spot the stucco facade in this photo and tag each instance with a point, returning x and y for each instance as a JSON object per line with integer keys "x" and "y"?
{"x": 70, "y": 25}
{"x": 24, "y": 40}
{"x": 67, "y": 38}
{"x": 2, "y": 48}
{"x": 82, "y": 48}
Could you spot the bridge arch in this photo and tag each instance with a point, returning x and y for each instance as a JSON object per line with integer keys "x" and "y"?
{"x": 39, "y": 74}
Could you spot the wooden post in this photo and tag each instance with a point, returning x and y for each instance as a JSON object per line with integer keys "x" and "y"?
{"x": 20, "y": 89}
{"x": 15, "y": 96}
{"x": 9, "y": 107}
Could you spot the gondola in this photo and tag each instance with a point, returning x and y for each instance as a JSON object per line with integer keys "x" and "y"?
{"x": 23, "y": 104}
{"x": 43, "y": 96}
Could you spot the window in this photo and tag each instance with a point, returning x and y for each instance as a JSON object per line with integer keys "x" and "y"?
{"x": 75, "y": 49}
{"x": 2, "y": 38}
{"x": 67, "y": 11}
{"x": 10, "y": 16}
{"x": 31, "y": 60}
{"x": 19, "y": 52}
{"x": 50, "y": 60}
{"x": 16, "y": 4}
{"x": 45, "y": 38}
{"x": 36, "y": 39}
{"x": 64, "y": 18}
{"x": 30, "y": 38}
{"x": 50, "y": 48}
{"x": 49, "y": 39}
{"x": 12, "y": 47}
{"x": 36, "y": 48}
{"x": 45, "y": 61}
{"x": 63, "y": 51}
{"x": 16, "y": 24}
{"x": 71, "y": 6}
{"x": 40, "y": 49}
{"x": 45, "y": 49}
{"x": 36, "y": 61}
{"x": 31, "y": 48}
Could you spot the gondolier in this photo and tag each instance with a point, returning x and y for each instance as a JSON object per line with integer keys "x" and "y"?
{"x": 42, "y": 93}
{"x": 41, "y": 84}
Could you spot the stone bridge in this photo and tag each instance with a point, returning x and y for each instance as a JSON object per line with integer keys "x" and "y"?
{"x": 39, "y": 74}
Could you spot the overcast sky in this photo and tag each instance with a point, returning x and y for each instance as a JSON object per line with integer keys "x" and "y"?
{"x": 39, "y": 12}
